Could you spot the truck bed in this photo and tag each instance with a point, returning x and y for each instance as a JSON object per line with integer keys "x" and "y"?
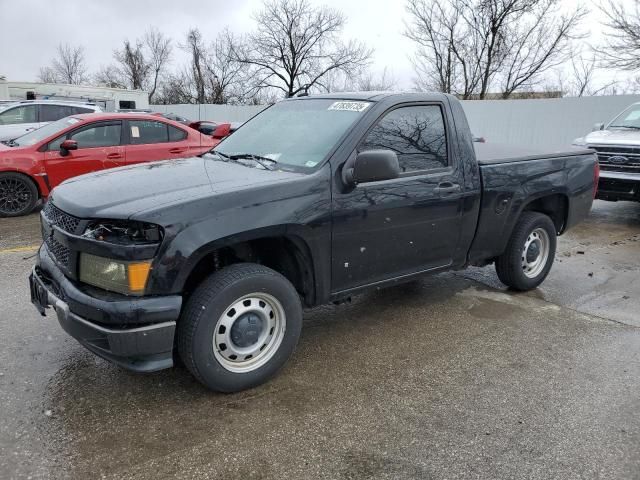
{"x": 492, "y": 153}
{"x": 512, "y": 176}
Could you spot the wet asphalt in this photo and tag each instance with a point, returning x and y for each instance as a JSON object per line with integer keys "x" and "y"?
{"x": 449, "y": 377}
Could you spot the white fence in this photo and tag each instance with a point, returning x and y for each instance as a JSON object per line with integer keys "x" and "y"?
{"x": 216, "y": 113}
{"x": 548, "y": 123}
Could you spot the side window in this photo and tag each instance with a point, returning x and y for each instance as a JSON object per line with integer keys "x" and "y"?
{"x": 55, "y": 144}
{"x": 147, "y": 131}
{"x": 22, "y": 114}
{"x": 98, "y": 136}
{"x": 417, "y": 134}
{"x": 51, "y": 113}
{"x": 176, "y": 134}
{"x": 79, "y": 110}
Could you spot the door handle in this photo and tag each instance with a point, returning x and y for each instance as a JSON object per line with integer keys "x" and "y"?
{"x": 446, "y": 188}
{"x": 114, "y": 156}
{"x": 177, "y": 150}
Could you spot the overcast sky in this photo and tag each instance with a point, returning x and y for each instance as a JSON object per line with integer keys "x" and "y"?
{"x": 31, "y": 29}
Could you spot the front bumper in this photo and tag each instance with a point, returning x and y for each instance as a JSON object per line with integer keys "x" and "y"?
{"x": 614, "y": 186}
{"x": 135, "y": 333}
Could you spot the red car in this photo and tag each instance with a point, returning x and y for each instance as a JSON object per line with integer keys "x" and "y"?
{"x": 32, "y": 165}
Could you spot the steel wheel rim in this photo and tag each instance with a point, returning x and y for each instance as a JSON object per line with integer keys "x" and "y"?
{"x": 14, "y": 195}
{"x": 537, "y": 241}
{"x": 246, "y": 358}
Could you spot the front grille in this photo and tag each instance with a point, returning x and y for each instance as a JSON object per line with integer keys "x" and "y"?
{"x": 616, "y": 186}
{"x": 59, "y": 252}
{"x": 63, "y": 220}
{"x": 630, "y": 161}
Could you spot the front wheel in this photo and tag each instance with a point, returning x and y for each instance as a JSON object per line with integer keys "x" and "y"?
{"x": 530, "y": 252}
{"x": 18, "y": 194}
{"x": 239, "y": 327}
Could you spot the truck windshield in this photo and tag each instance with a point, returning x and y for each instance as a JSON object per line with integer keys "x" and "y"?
{"x": 297, "y": 134}
{"x": 43, "y": 133}
{"x": 630, "y": 118}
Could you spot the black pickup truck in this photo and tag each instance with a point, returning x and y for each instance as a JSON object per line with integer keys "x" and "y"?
{"x": 313, "y": 200}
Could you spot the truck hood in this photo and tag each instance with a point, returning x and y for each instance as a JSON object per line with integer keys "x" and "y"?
{"x": 124, "y": 192}
{"x": 613, "y": 137}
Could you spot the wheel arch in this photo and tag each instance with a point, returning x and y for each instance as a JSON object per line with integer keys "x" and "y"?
{"x": 30, "y": 176}
{"x": 554, "y": 205}
{"x": 288, "y": 254}
{"x": 38, "y": 183}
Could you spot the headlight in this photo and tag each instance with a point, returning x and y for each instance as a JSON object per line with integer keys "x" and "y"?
{"x": 128, "y": 278}
{"x": 124, "y": 232}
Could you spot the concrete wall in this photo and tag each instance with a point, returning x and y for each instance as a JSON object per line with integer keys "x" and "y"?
{"x": 216, "y": 113}
{"x": 548, "y": 123}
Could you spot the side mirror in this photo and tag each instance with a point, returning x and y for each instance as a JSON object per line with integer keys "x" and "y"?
{"x": 597, "y": 127}
{"x": 67, "y": 146}
{"x": 371, "y": 166}
{"x": 221, "y": 131}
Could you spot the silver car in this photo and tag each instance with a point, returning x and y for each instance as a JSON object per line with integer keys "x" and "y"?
{"x": 618, "y": 147}
{"x": 19, "y": 118}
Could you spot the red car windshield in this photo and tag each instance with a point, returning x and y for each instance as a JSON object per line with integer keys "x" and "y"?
{"x": 45, "y": 132}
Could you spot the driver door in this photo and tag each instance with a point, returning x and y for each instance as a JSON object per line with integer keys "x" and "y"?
{"x": 99, "y": 147}
{"x": 403, "y": 226}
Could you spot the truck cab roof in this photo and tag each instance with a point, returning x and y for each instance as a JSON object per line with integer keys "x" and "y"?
{"x": 375, "y": 96}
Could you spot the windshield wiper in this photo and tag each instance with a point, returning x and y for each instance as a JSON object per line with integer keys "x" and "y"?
{"x": 220, "y": 154}
{"x": 259, "y": 159}
{"x": 633, "y": 127}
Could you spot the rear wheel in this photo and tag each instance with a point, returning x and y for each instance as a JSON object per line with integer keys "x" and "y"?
{"x": 239, "y": 327}
{"x": 18, "y": 194}
{"x": 530, "y": 252}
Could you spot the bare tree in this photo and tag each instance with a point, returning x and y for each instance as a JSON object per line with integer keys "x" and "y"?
{"x": 621, "y": 47}
{"x": 436, "y": 28}
{"x": 461, "y": 43}
{"x": 132, "y": 65}
{"x": 228, "y": 80}
{"x": 176, "y": 88}
{"x": 110, "y": 76}
{"x": 296, "y": 45}
{"x": 196, "y": 50}
{"x": 159, "y": 55}
{"x": 465, "y": 45}
{"x": 139, "y": 65}
{"x": 537, "y": 42}
{"x": 212, "y": 75}
{"x": 365, "y": 81}
{"x": 47, "y": 75}
{"x": 371, "y": 82}
{"x": 67, "y": 67}
{"x": 583, "y": 75}
{"x": 578, "y": 79}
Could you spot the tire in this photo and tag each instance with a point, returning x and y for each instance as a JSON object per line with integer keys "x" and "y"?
{"x": 519, "y": 267}
{"x": 18, "y": 194}
{"x": 217, "y": 324}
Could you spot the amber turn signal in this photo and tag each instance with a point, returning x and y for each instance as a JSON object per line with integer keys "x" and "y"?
{"x": 138, "y": 274}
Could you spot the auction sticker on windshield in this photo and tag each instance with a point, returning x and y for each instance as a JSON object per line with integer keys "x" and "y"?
{"x": 349, "y": 106}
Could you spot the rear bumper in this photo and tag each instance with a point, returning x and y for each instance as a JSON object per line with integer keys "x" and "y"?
{"x": 614, "y": 186}
{"x": 145, "y": 346}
